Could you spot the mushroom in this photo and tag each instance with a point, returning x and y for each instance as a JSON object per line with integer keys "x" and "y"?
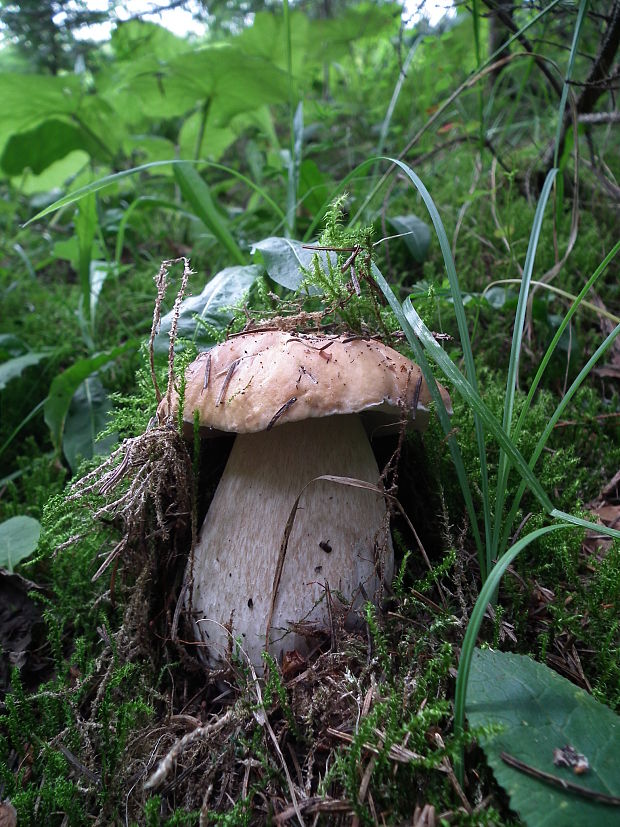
{"x": 294, "y": 400}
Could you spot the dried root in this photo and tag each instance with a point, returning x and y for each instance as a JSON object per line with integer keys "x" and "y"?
{"x": 157, "y": 467}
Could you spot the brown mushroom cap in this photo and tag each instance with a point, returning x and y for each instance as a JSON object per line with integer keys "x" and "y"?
{"x": 260, "y": 380}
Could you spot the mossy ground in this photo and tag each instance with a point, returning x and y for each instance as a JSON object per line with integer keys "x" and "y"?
{"x": 364, "y": 727}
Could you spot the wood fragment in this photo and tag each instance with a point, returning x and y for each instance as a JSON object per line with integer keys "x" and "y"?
{"x": 226, "y": 382}
{"x": 315, "y": 805}
{"x": 554, "y": 780}
{"x": 280, "y": 412}
{"x": 205, "y": 384}
{"x": 200, "y": 733}
{"x": 396, "y": 752}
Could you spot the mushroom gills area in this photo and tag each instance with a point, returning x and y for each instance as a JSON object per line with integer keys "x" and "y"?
{"x": 340, "y": 538}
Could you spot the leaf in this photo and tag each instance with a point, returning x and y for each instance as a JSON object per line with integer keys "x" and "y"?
{"x": 231, "y": 79}
{"x": 86, "y": 418}
{"x": 198, "y": 195}
{"x": 18, "y": 539}
{"x": 215, "y": 139}
{"x": 30, "y": 99}
{"x": 223, "y": 291}
{"x": 99, "y": 271}
{"x": 134, "y": 39}
{"x": 65, "y": 385}
{"x": 416, "y": 234}
{"x": 11, "y": 345}
{"x": 85, "y": 222}
{"x": 285, "y": 258}
{"x": 497, "y": 296}
{"x": 539, "y": 711}
{"x": 54, "y": 177}
{"x": 314, "y": 187}
{"x": 315, "y": 42}
{"x": 13, "y": 368}
{"x": 40, "y": 147}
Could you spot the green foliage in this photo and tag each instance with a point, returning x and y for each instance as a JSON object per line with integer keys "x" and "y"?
{"x": 135, "y": 142}
{"x": 18, "y": 540}
{"x": 539, "y": 712}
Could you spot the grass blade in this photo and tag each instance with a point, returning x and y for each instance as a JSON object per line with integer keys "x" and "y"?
{"x": 542, "y": 441}
{"x": 115, "y": 178}
{"x": 473, "y": 627}
{"x": 515, "y": 352}
{"x": 583, "y": 7}
{"x": 459, "y": 312}
{"x": 198, "y": 195}
{"x": 401, "y": 314}
{"x": 558, "y": 334}
{"x": 416, "y": 327}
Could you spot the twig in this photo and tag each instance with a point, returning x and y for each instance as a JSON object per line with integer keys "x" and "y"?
{"x": 556, "y": 781}
{"x": 198, "y": 734}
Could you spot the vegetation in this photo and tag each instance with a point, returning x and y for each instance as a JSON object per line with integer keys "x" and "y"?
{"x": 460, "y": 184}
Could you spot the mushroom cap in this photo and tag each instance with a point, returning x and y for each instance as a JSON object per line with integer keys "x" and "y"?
{"x": 256, "y": 381}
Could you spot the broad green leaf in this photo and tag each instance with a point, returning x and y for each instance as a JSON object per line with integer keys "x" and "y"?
{"x": 144, "y": 149}
{"x": 18, "y": 539}
{"x": 86, "y": 418}
{"x": 54, "y": 177}
{"x": 42, "y": 146}
{"x": 285, "y": 258}
{"x": 233, "y": 81}
{"x": 13, "y": 368}
{"x": 66, "y": 384}
{"x": 215, "y": 139}
{"x": 315, "y": 42}
{"x": 134, "y": 39}
{"x": 539, "y": 711}
{"x": 29, "y": 99}
{"x": 213, "y": 305}
{"x": 415, "y": 233}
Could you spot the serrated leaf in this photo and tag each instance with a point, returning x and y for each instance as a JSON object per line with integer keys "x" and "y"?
{"x": 539, "y": 711}
{"x": 285, "y": 258}
{"x": 416, "y": 234}
{"x": 66, "y": 384}
{"x": 13, "y": 368}
{"x": 18, "y": 539}
{"x": 213, "y": 305}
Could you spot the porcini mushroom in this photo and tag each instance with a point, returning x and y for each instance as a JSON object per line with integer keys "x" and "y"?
{"x": 294, "y": 400}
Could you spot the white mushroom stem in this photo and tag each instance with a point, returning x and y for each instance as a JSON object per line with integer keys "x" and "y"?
{"x": 339, "y": 538}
